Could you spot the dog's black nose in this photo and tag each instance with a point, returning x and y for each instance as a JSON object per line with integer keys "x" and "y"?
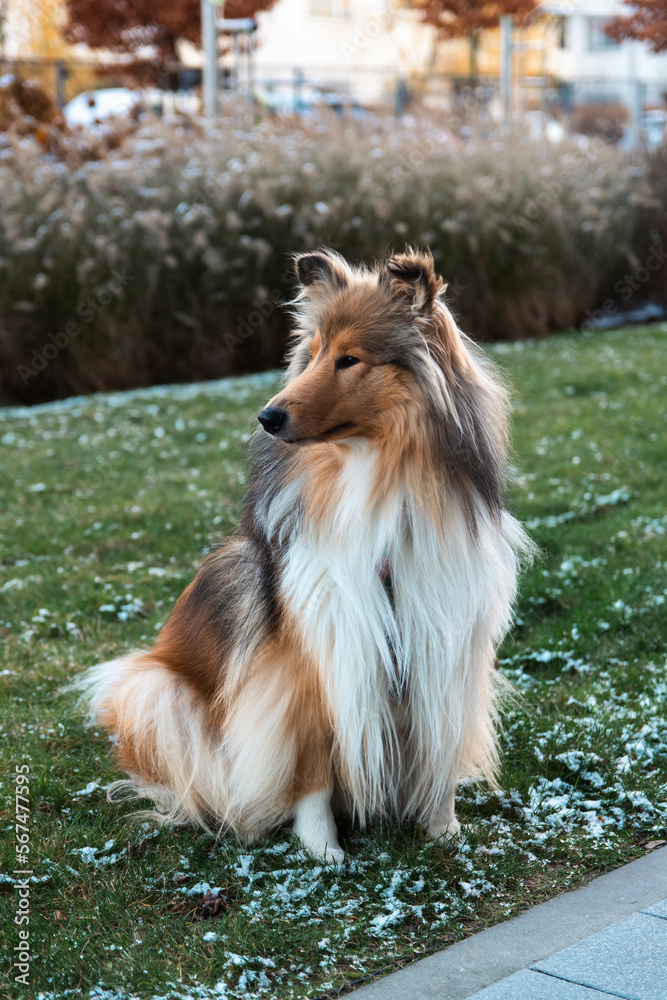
{"x": 272, "y": 418}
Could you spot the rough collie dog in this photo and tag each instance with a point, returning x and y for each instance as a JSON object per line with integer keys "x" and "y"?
{"x": 340, "y": 646}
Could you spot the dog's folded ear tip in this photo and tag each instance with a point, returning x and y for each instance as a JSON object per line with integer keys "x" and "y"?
{"x": 411, "y": 276}
{"x": 411, "y": 265}
{"x": 319, "y": 265}
{"x": 404, "y": 269}
{"x": 308, "y": 266}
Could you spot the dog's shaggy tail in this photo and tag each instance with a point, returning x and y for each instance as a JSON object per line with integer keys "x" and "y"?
{"x": 196, "y": 766}
{"x": 163, "y": 739}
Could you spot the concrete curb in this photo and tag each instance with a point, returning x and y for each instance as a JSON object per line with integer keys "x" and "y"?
{"x": 463, "y": 969}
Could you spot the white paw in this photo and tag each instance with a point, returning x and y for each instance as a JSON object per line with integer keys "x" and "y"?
{"x": 438, "y": 830}
{"x": 314, "y": 826}
{"x": 328, "y": 854}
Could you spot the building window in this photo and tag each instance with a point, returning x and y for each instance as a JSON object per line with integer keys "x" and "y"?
{"x": 597, "y": 39}
{"x": 560, "y": 31}
{"x": 329, "y": 8}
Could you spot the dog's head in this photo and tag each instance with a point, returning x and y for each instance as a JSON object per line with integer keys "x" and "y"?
{"x": 378, "y": 356}
{"x": 362, "y": 333}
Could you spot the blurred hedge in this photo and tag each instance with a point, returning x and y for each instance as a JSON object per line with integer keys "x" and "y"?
{"x": 168, "y": 258}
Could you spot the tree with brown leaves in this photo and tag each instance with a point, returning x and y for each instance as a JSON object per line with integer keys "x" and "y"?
{"x": 646, "y": 21}
{"x": 136, "y": 27}
{"x": 468, "y": 18}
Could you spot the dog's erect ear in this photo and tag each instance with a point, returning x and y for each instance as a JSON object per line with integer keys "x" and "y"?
{"x": 411, "y": 278}
{"x": 323, "y": 266}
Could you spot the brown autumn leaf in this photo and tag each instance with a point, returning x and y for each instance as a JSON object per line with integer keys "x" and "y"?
{"x": 59, "y": 915}
{"x": 654, "y": 843}
{"x": 210, "y": 906}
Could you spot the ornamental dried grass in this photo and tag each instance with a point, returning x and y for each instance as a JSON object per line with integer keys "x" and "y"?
{"x": 200, "y": 221}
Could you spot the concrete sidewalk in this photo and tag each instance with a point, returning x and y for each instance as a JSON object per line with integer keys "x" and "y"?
{"x": 608, "y": 939}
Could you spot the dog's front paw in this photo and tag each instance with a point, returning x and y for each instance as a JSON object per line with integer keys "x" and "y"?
{"x": 314, "y": 826}
{"x": 437, "y": 830}
{"x": 328, "y": 854}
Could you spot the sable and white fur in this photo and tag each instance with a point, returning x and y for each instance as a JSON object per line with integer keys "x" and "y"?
{"x": 341, "y": 644}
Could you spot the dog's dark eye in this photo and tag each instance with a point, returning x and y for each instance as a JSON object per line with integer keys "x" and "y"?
{"x": 347, "y": 361}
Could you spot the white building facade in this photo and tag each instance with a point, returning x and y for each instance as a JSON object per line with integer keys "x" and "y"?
{"x": 367, "y": 44}
{"x": 597, "y": 68}
{"x": 363, "y": 45}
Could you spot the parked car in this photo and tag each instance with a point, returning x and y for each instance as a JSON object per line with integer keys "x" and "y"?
{"x": 301, "y": 98}
{"x": 97, "y": 105}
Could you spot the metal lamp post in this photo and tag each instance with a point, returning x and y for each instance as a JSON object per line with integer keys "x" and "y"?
{"x": 209, "y": 40}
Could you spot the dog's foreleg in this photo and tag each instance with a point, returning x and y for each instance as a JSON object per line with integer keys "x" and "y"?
{"x": 444, "y": 822}
{"x": 315, "y": 827}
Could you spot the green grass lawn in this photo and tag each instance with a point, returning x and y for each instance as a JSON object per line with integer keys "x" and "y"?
{"x": 107, "y": 505}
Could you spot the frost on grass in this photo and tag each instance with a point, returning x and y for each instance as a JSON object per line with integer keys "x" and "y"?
{"x": 98, "y": 856}
{"x": 582, "y": 796}
{"x": 96, "y": 559}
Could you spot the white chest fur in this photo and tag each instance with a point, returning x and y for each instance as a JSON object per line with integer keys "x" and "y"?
{"x": 401, "y": 675}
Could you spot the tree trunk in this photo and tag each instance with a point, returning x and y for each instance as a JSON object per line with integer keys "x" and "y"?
{"x": 474, "y": 48}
